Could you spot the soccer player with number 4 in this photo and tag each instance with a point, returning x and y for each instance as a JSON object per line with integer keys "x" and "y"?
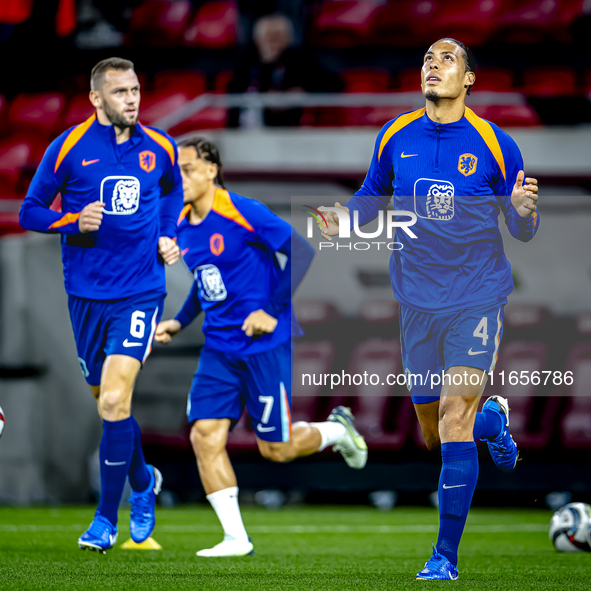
{"x": 456, "y": 172}
{"x": 121, "y": 193}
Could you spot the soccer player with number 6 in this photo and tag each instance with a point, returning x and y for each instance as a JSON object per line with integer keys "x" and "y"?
{"x": 121, "y": 191}
{"x": 457, "y": 173}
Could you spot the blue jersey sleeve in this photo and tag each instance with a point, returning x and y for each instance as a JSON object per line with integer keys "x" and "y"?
{"x": 191, "y": 308}
{"x": 376, "y": 191}
{"x": 270, "y": 229}
{"x": 171, "y": 197}
{"x": 523, "y": 229}
{"x": 46, "y": 184}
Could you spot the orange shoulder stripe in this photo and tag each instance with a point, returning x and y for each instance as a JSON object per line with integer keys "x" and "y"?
{"x": 487, "y": 133}
{"x": 72, "y": 139}
{"x": 162, "y": 141}
{"x": 401, "y": 122}
{"x": 69, "y": 218}
{"x": 184, "y": 213}
{"x": 222, "y": 204}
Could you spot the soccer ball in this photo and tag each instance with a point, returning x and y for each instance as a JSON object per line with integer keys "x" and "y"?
{"x": 1, "y": 421}
{"x": 570, "y": 528}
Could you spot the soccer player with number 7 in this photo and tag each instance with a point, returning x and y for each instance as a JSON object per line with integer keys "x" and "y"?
{"x": 122, "y": 193}
{"x": 457, "y": 173}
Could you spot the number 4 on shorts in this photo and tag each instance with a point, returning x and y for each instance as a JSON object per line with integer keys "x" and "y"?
{"x": 481, "y": 331}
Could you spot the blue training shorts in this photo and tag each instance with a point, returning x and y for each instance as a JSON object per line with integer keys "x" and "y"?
{"x": 432, "y": 343}
{"x": 225, "y": 382}
{"x": 118, "y": 327}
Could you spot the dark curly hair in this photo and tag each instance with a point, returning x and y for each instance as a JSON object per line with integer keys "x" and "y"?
{"x": 207, "y": 151}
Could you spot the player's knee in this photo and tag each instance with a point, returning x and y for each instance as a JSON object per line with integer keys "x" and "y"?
{"x": 113, "y": 405}
{"x": 277, "y": 452}
{"x": 432, "y": 442}
{"x": 206, "y": 439}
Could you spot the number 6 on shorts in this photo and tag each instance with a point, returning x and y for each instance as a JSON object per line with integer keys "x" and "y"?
{"x": 138, "y": 326}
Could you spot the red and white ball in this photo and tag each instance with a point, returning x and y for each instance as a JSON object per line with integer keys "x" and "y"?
{"x": 1, "y": 421}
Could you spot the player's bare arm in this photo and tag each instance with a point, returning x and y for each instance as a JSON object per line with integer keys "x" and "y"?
{"x": 259, "y": 322}
{"x": 91, "y": 217}
{"x": 525, "y": 196}
{"x": 333, "y": 222}
{"x": 168, "y": 250}
{"x": 167, "y": 330}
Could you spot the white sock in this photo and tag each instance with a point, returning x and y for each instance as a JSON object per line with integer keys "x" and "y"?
{"x": 225, "y": 505}
{"x": 330, "y": 432}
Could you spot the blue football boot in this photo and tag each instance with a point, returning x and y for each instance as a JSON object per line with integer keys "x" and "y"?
{"x": 502, "y": 448}
{"x": 438, "y": 568}
{"x": 100, "y": 536}
{"x": 142, "y": 518}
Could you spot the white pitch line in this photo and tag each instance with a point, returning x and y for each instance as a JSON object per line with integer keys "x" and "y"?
{"x": 301, "y": 529}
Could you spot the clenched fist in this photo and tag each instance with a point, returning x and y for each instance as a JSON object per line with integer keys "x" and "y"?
{"x": 259, "y": 322}
{"x": 166, "y": 331}
{"x": 91, "y": 217}
{"x": 168, "y": 250}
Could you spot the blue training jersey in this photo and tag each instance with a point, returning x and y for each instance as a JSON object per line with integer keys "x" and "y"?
{"x": 457, "y": 178}
{"x": 232, "y": 255}
{"x": 140, "y": 184}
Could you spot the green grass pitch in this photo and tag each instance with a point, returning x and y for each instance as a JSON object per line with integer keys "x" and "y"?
{"x": 301, "y": 548}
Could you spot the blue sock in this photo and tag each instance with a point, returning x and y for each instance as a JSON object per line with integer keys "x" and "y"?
{"x": 115, "y": 455}
{"x": 456, "y": 487}
{"x": 487, "y": 423}
{"x": 139, "y": 475}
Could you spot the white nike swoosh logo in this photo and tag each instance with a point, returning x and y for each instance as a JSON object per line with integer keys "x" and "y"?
{"x": 126, "y": 343}
{"x": 114, "y": 463}
{"x": 470, "y": 352}
{"x": 265, "y": 429}
{"x": 454, "y": 486}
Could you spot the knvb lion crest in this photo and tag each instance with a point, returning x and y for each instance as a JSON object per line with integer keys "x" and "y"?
{"x": 440, "y": 202}
{"x": 147, "y": 160}
{"x": 211, "y": 283}
{"x": 467, "y": 164}
{"x": 126, "y": 196}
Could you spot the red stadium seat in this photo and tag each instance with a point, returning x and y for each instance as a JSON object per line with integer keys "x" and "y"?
{"x": 405, "y": 23}
{"x": 527, "y": 357}
{"x": 344, "y": 23}
{"x": 366, "y": 80}
{"x": 470, "y": 21}
{"x": 15, "y": 154}
{"x": 156, "y": 105}
{"x": 508, "y": 115}
{"x": 79, "y": 109}
{"x": 215, "y": 26}
{"x": 330, "y": 116}
{"x": 159, "y": 22}
{"x": 186, "y": 81}
{"x": 222, "y": 81}
{"x": 410, "y": 80}
{"x": 533, "y": 21}
{"x": 550, "y": 81}
{"x": 494, "y": 79}
{"x": 38, "y": 113}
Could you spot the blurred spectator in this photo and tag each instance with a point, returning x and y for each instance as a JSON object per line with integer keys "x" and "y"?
{"x": 103, "y": 22}
{"x": 272, "y": 64}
